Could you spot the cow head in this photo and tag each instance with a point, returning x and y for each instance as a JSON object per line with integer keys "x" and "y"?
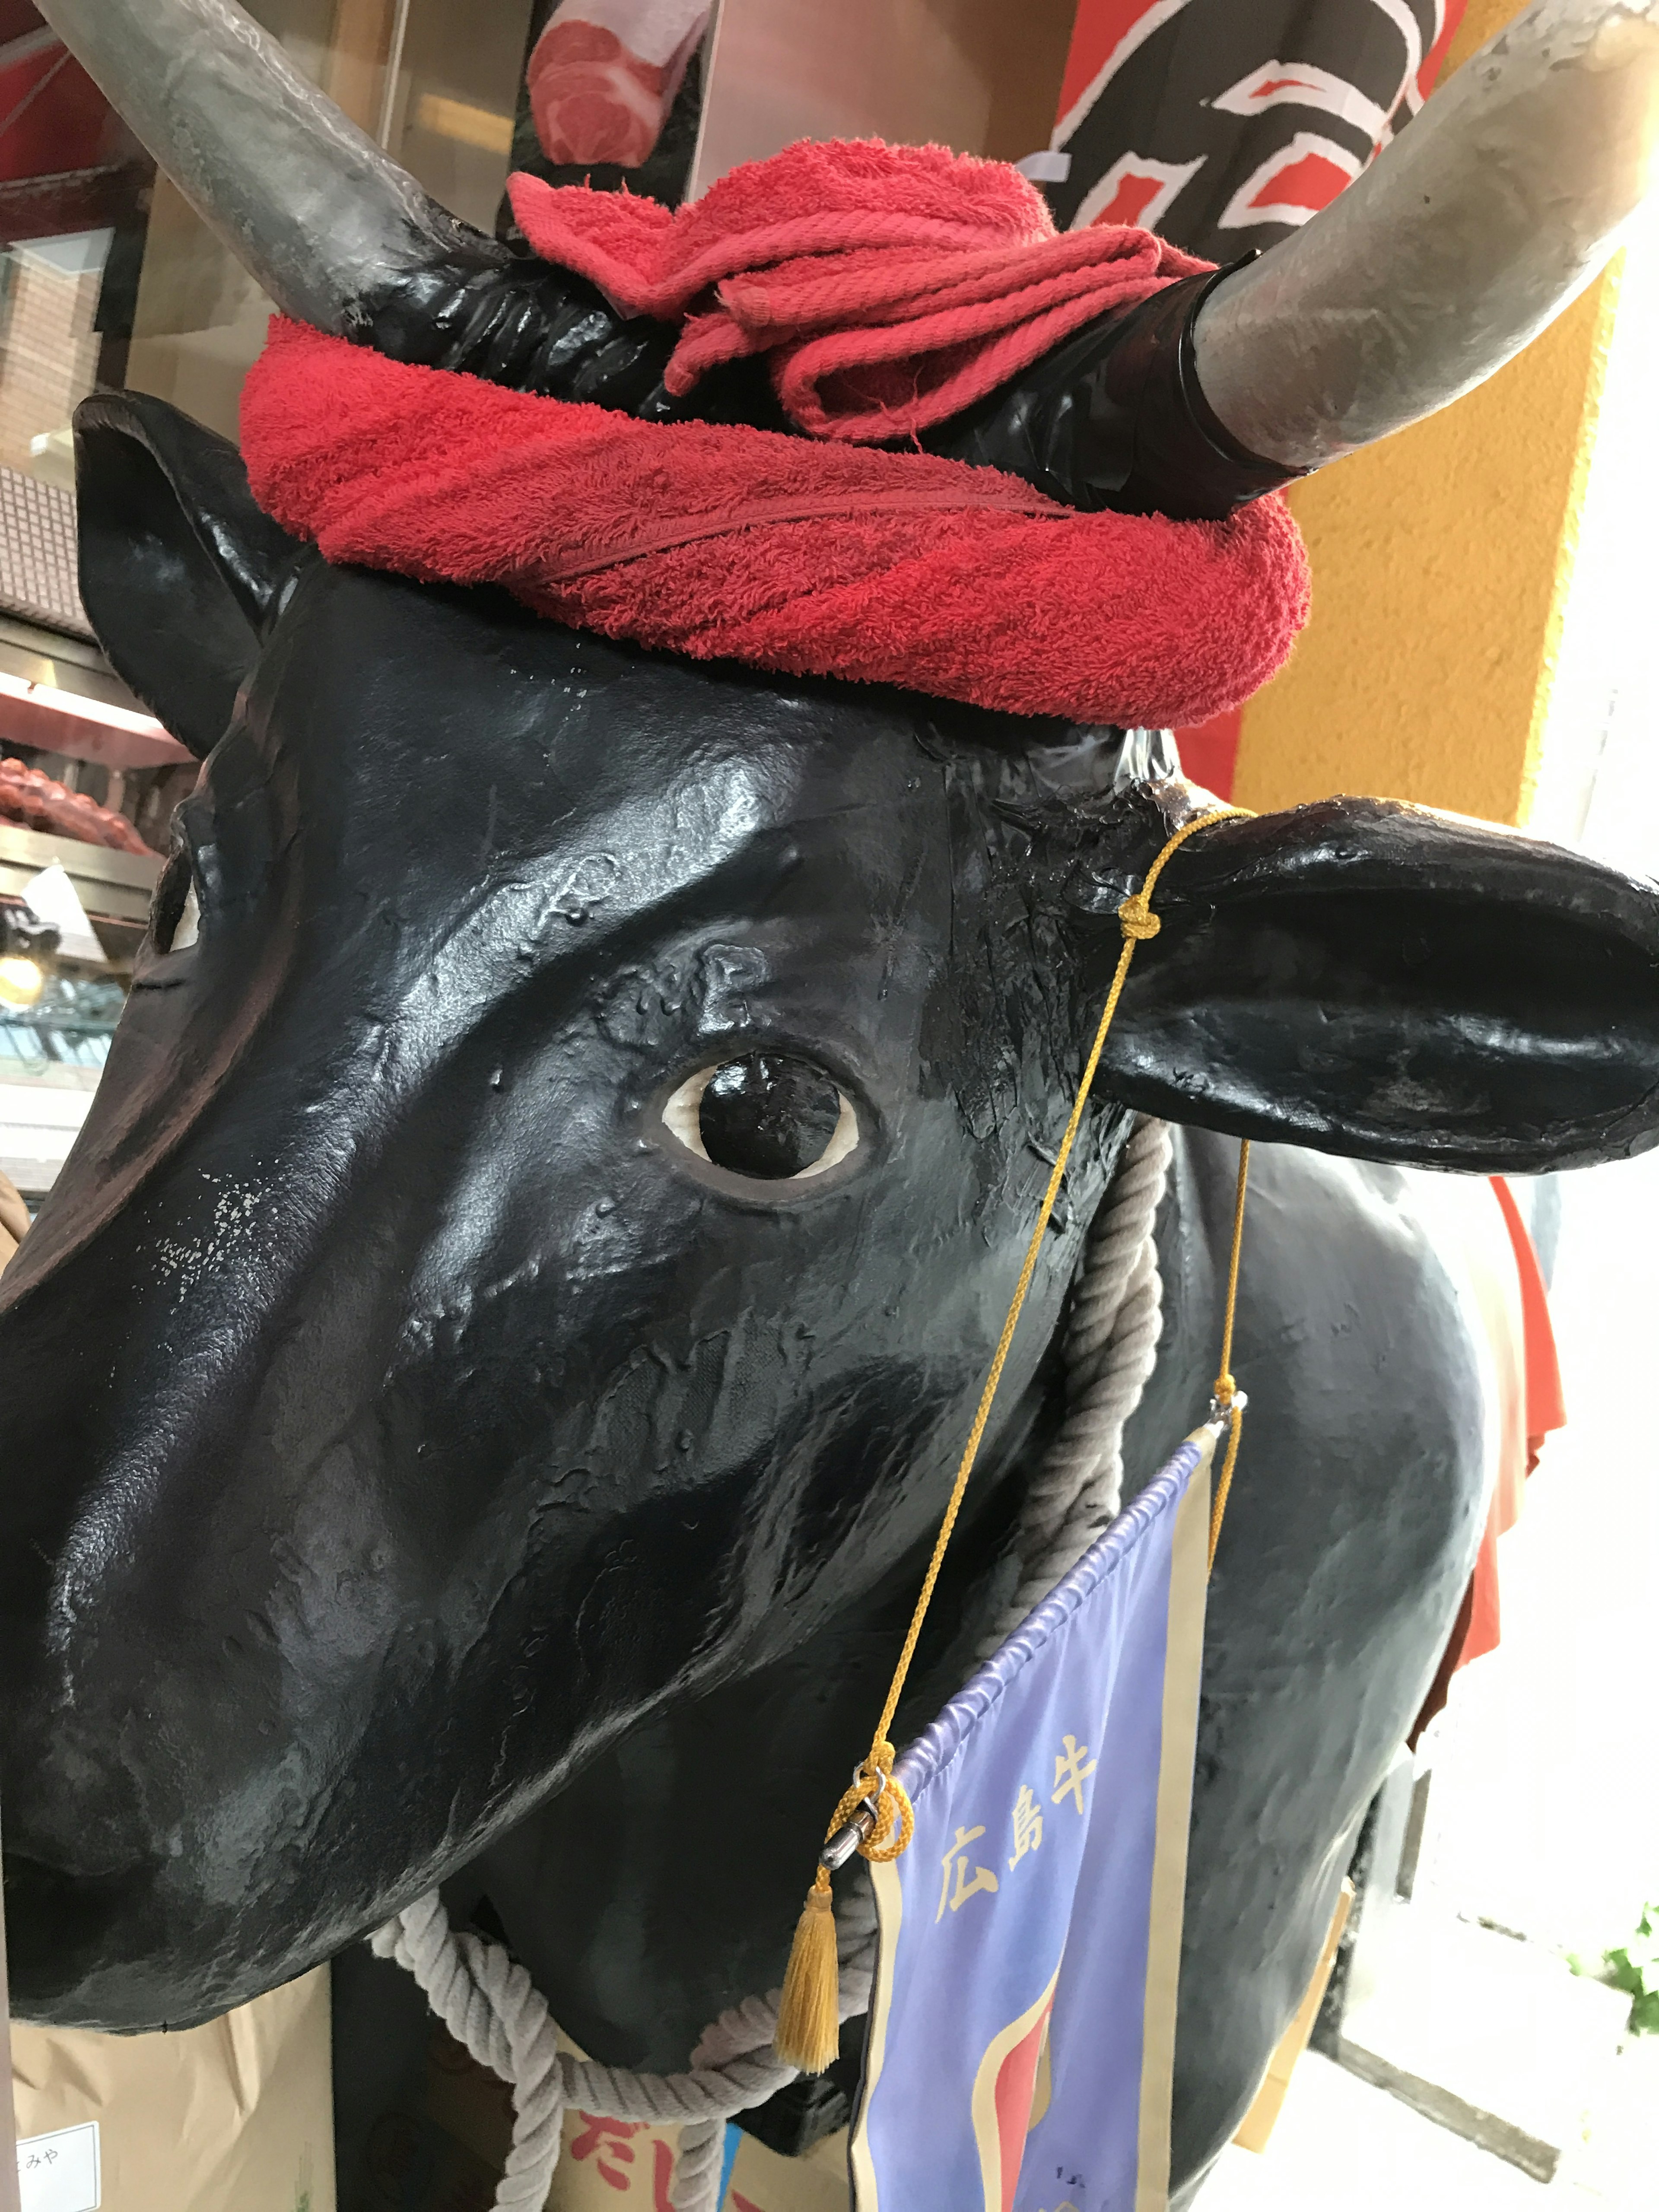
{"x": 561, "y": 1177}
{"x": 559, "y": 1180}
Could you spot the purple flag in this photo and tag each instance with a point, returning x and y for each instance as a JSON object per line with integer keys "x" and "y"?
{"x": 1022, "y": 2027}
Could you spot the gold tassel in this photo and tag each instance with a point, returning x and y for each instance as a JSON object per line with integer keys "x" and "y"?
{"x": 808, "y": 2016}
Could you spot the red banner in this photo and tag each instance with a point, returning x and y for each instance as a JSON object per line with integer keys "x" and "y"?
{"x": 1223, "y": 123}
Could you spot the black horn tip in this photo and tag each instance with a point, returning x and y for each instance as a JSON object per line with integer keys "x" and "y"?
{"x": 1115, "y": 418}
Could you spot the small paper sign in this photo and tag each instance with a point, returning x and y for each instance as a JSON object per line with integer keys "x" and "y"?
{"x": 51, "y": 897}
{"x": 58, "y": 2173}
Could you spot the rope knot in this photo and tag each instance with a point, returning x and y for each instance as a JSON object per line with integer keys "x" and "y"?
{"x": 874, "y": 1788}
{"x": 1226, "y": 1390}
{"x": 896, "y": 1823}
{"x": 1136, "y": 918}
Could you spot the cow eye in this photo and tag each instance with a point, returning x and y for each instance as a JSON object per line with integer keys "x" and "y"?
{"x": 770, "y": 1116}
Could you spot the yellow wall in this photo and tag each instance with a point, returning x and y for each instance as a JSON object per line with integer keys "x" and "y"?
{"x": 1441, "y": 559}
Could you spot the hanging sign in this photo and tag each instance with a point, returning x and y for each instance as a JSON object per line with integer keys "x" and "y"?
{"x": 1022, "y": 2026}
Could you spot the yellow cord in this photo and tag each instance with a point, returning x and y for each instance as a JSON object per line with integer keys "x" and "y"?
{"x": 875, "y": 1776}
{"x": 1226, "y": 1390}
{"x": 808, "y": 2009}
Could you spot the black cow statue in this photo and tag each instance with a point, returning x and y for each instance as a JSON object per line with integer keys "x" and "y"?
{"x": 438, "y": 1452}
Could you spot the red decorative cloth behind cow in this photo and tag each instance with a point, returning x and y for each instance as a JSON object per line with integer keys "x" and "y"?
{"x": 1223, "y": 125}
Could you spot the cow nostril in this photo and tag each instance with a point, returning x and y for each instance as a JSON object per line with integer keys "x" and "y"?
{"x": 175, "y": 919}
{"x": 768, "y": 1116}
{"x": 188, "y": 926}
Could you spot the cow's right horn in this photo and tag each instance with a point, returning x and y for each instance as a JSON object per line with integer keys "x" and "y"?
{"x": 1472, "y": 231}
{"x": 311, "y": 206}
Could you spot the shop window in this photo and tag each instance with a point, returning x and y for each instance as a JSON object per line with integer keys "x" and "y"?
{"x": 107, "y": 278}
{"x": 434, "y": 80}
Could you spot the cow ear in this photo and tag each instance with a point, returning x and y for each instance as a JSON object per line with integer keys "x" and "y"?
{"x": 1381, "y": 981}
{"x": 179, "y": 568}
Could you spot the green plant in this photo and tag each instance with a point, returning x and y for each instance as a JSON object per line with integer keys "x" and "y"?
{"x": 1634, "y": 1967}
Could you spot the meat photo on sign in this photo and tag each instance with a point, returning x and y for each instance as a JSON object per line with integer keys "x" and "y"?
{"x": 613, "y": 95}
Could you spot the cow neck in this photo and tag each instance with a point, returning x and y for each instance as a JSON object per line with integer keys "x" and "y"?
{"x": 489, "y": 2001}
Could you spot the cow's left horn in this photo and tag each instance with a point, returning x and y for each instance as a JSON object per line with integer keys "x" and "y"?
{"x": 312, "y": 208}
{"x": 1466, "y": 237}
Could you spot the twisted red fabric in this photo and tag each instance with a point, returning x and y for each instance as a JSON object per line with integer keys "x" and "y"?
{"x": 787, "y": 553}
{"x": 891, "y": 286}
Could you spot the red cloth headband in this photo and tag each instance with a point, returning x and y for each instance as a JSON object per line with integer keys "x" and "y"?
{"x": 892, "y": 286}
{"x": 808, "y": 556}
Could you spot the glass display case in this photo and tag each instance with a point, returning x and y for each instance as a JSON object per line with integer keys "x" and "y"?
{"x": 63, "y": 982}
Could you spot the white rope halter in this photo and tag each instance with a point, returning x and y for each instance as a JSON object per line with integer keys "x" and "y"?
{"x": 488, "y": 2001}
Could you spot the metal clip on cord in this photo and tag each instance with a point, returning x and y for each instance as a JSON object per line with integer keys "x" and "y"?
{"x": 846, "y": 1840}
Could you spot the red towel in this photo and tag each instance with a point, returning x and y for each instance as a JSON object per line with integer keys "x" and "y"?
{"x": 730, "y": 542}
{"x": 891, "y": 285}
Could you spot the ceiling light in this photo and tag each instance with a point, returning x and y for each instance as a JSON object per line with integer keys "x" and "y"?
{"x": 21, "y": 980}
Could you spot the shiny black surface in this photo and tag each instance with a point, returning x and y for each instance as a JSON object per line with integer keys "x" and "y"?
{"x": 767, "y": 1114}
{"x": 1358, "y": 972}
{"x": 423, "y": 1465}
{"x": 204, "y": 573}
{"x": 1348, "y": 1543}
{"x": 489, "y": 312}
{"x": 1115, "y": 416}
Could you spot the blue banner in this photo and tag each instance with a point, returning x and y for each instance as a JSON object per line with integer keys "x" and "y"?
{"x": 1022, "y": 2028}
